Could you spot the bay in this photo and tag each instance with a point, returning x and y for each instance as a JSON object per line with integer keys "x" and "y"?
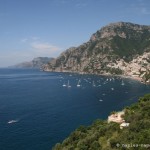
{"x": 43, "y": 112}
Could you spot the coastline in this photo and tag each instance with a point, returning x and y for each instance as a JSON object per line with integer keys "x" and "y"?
{"x": 131, "y": 77}
{"x": 113, "y": 75}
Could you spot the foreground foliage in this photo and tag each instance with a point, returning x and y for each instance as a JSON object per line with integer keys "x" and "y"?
{"x": 108, "y": 136}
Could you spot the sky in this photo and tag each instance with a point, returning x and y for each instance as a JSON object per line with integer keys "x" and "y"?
{"x": 34, "y": 28}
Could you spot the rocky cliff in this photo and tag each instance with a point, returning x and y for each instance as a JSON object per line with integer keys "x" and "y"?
{"x": 118, "y": 48}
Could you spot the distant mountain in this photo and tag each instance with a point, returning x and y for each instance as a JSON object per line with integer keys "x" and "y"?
{"x": 118, "y": 48}
{"x": 35, "y": 63}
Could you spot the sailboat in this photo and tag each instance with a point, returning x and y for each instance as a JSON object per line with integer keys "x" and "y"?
{"x": 78, "y": 85}
{"x": 64, "y": 85}
{"x": 93, "y": 84}
{"x": 112, "y": 89}
{"x": 69, "y": 86}
{"x": 122, "y": 83}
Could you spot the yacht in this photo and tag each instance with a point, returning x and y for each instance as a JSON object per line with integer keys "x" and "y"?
{"x": 112, "y": 89}
{"x": 122, "y": 83}
{"x": 64, "y": 85}
{"x": 69, "y": 86}
{"x": 100, "y": 100}
{"x": 78, "y": 85}
{"x": 12, "y": 121}
{"x": 93, "y": 84}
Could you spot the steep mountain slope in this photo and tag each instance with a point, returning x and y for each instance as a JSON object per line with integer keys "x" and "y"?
{"x": 111, "y": 50}
{"x": 35, "y": 63}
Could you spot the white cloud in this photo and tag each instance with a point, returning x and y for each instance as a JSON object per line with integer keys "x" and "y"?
{"x": 45, "y": 49}
{"x": 44, "y": 46}
{"x": 36, "y": 47}
{"x": 27, "y": 48}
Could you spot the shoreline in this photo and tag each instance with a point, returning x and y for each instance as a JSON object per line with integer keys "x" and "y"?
{"x": 113, "y": 75}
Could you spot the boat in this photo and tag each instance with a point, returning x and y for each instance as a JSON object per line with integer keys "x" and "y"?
{"x": 64, "y": 85}
{"x": 78, "y": 85}
{"x": 12, "y": 121}
{"x": 93, "y": 84}
{"x": 69, "y": 86}
{"x": 122, "y": 83}
{"x": 100, "y": 100}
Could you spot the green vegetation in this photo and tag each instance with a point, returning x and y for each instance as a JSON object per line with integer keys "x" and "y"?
{"x": 91, "y": 47}
{"x": 117, "y": 71}
{"x": 108, "y": 136}
{"x": 134, "y": 43}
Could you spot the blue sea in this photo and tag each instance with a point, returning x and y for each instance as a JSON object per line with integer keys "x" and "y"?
{"x": 36, "y": 111}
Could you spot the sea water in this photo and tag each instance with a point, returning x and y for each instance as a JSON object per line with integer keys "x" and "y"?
{"x": 37, "y": 111}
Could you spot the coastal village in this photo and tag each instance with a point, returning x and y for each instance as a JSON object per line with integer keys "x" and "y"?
{"x": 138, "y": 68}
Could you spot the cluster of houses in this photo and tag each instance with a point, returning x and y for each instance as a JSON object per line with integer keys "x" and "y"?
{"x": 138, "y": 68}
{"x": 118, "y": 118}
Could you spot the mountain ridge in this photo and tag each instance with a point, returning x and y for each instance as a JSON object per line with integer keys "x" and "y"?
{"x": 117, "y": 43}
{"x": 35, "y": 63}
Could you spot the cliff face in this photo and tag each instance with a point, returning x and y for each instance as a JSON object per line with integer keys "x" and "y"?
{"x": 114, "y": 49}
{"x": 35, "y": 63}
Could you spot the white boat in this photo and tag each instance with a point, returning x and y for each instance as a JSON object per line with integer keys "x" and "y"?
{"x": 122, "y": 83}
{"x": 93, "y": 84}
{"x": 64, "y": 85}
{"x": 78, "y": 85}
{"x": 69, "y": 86}
{"x": 100, "y": 100}
{"x": 12, "y": 121}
